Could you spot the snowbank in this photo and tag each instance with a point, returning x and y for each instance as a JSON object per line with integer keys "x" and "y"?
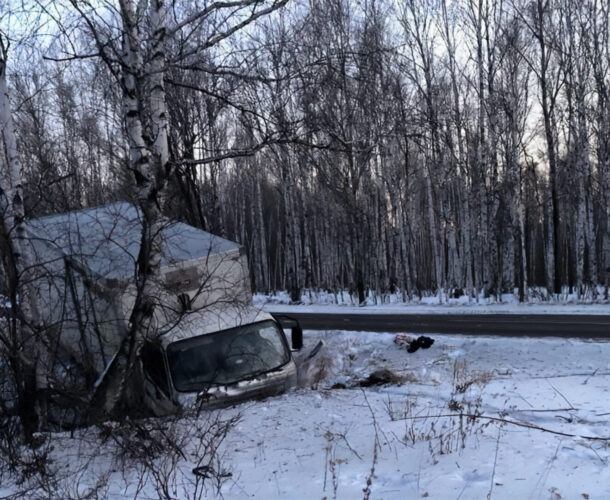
{"x": 325, "y": 302}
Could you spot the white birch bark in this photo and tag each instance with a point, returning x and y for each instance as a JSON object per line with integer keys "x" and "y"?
{"x": 462, "y": 193}
{"x": 32, "y": 348}
{"x": 585, "y": 171}
{"x": 261, "y": 236}
{"x": 524, "y": 292}
{"x": 148, "y": 161}
{"x": 484, "y": 271}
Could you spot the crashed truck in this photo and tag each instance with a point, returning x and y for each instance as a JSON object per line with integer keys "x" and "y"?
{"x": 208, "y": 345}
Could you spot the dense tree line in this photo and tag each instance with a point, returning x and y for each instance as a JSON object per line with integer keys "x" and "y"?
{"x": 447, "y": 145}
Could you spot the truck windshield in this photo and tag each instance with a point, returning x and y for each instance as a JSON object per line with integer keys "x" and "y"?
{"x": 227, "y": 357}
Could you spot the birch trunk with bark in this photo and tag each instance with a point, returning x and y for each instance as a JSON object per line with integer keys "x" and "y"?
{"x": 261, "y": 237}
{"x": 585, "y": 178}
{"x": 29, "y": 349}
{"x": 463, "y": 193}
{"x": 600, "y": 56}
{"x": 120, "y": 390}
{"x": 553, "y": 265}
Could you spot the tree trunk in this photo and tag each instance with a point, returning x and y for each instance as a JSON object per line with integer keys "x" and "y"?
{"x": 120, "y": 391}
{"x": 29, "y": 349}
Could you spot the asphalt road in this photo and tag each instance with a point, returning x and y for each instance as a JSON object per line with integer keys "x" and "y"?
{"x": 530, "y": 325}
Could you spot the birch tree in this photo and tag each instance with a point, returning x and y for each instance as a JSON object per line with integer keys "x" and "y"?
{"x": 538, "y": 18}
{"x": 514, "y": 99}
{"x": 599, "y": 54}
{"x": 23, "y": 342}
{"x": 418, "y": 25}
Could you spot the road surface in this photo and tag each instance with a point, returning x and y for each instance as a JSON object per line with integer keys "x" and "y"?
{"x": 528, "y": 325}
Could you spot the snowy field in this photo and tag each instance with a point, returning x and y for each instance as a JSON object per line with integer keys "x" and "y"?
{"x": 534, "y": 424}
{"x": 320, "y": 443}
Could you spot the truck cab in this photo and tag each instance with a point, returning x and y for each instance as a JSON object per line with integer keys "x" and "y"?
{"x": 217, "y": 359}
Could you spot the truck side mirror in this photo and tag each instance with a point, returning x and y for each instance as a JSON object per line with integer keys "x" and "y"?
{"x": 296, "y": 332}
{"x": 297, "y": 336}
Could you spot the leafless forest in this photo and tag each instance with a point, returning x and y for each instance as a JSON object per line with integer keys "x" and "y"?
{"x": 419, "y": 145}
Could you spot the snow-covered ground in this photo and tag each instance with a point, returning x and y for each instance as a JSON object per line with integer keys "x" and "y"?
{"x": 538, "y": 427}
{"x": 325, "y": 302}
{"x": 320, "y": 443}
